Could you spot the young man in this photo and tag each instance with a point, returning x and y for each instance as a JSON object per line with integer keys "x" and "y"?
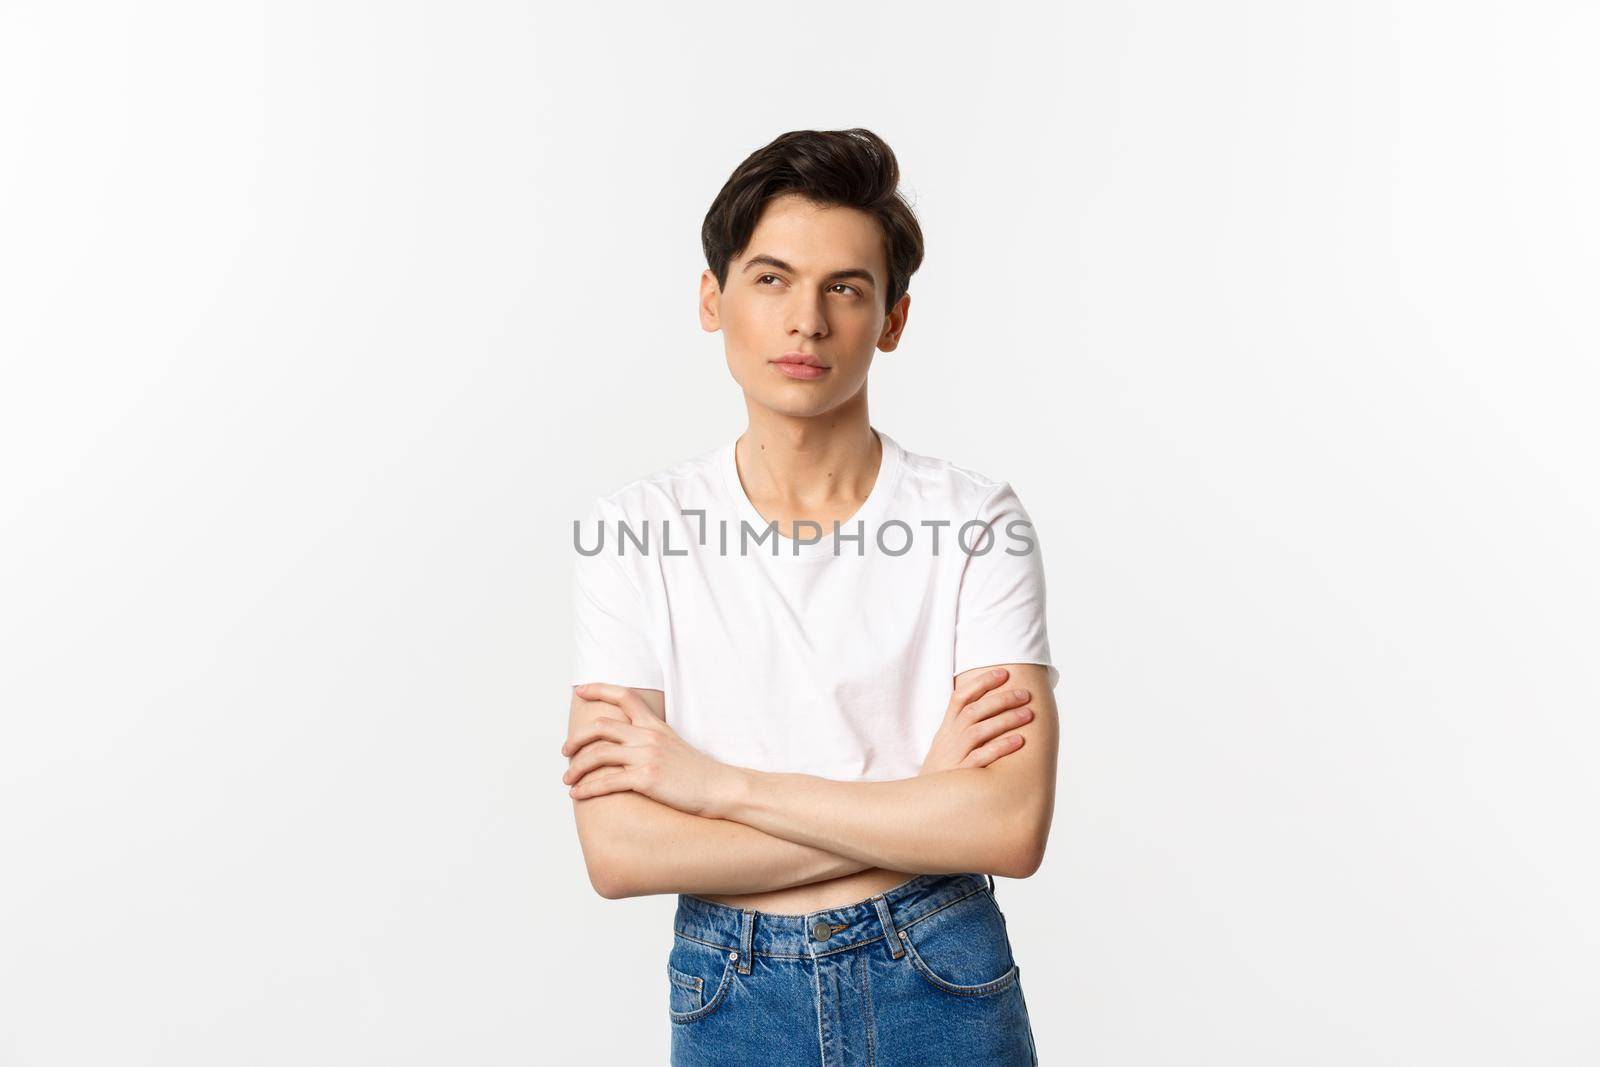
{"x": 813, "y": 685}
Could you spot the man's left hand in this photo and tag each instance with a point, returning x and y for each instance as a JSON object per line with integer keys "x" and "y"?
{"x": 635, "y": 750}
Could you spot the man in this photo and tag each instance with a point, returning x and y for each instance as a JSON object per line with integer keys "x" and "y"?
{"x": 813, "y": 685}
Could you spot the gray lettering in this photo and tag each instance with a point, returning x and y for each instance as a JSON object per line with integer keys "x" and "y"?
{"x": 904, "y": 526}
{"x": 961, "y": 537}
{"x": 745, "y": 529}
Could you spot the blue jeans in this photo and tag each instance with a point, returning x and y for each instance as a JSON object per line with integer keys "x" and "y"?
{"x": 916, "y": 976}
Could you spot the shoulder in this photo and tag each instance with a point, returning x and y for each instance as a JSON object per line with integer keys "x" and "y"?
{"x": 955, "y": 487}
{"x": 663, "y": 493}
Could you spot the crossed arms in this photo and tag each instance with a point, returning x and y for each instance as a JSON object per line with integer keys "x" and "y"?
{"x": 770, "y": 831}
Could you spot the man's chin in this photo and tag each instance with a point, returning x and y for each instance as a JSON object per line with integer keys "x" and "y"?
{"x": 795, "y": 407}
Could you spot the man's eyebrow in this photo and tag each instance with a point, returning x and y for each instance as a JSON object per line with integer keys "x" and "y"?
{"x": 860, "y": 273}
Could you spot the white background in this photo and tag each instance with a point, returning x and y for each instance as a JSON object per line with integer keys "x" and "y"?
{"x": 321, "y": 322}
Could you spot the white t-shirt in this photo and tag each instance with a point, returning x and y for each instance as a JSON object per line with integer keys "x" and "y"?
{"x": 832, "y": 657}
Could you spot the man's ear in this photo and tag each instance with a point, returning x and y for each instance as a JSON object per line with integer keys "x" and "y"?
{"x": 710, "y": 302}
{"x": 894, "y": 324}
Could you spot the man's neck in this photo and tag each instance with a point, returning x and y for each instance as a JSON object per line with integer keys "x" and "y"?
{"x": 806, "y": 464}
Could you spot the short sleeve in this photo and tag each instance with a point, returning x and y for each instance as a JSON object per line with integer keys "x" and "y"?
{"x": 611, "y": 631}
{"x": 1000, "y": 608}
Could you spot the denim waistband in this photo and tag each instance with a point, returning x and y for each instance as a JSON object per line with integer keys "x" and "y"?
{"x": 751, "y": 933}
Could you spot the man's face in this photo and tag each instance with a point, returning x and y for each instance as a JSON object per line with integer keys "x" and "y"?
{"x": 811, "y": 280}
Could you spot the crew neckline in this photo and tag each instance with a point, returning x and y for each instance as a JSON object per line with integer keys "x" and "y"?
{"x": 889, "y": 466}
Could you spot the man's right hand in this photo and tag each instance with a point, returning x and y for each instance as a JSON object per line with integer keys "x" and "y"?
{"x": 974, "y": 731}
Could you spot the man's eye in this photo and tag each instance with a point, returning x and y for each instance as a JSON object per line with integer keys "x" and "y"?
{"x": 762, "y": 278}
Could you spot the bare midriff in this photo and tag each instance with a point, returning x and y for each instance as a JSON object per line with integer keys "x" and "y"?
{"x": 817, "y": 896}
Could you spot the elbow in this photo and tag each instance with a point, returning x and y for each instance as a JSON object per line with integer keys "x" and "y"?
{"x": 603, "y": 883}
{"x": 616, "y": 877}
{"x": 605, "y": 844}
{"x": 1032, "y": 859}
{"x": 606, "y": 874}
{"x": 1024, "y": 853}
{"x": 607, "y": 880}
{"x": 1019, "y": 862}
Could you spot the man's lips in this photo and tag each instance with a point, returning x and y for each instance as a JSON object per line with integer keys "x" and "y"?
{"x": 803, "y": 358}
{"x": 801, "y": 371}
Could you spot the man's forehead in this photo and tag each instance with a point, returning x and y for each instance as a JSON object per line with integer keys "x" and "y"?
{"x": 816, "y": 238}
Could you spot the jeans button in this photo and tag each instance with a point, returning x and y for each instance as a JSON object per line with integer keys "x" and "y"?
{"x": 822, "y": 931}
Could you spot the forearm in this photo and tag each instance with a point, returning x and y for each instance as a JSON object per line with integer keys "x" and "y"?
{"x": 644, "y": 847}
{"x": 965, "y": 819}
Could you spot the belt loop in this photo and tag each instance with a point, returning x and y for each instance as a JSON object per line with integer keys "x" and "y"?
{"x": 991, "y": 883}
{"x": 890, "y": 934}
{"x": 746, "y": 940}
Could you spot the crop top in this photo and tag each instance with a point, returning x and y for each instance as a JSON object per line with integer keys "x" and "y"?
{"x": 831, "y": 654}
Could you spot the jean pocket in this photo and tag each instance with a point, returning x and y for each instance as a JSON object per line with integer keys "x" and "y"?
{"x": 962, "y": 948}
{"x": 687, "y": 992}
{"x": 698, "y": 979}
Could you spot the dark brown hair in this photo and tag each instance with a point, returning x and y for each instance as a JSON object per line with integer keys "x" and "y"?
{"x": 843, "y": 168}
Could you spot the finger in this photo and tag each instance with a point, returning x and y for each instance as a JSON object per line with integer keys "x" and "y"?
{"x": 976, "y": 687}
{"x": 994, "y": 702}
{"x": 585, "y": 733}
{"x": 599, "y": 774}
{"x": 638, "y": 711}
{"x": 591, "y": 755}
{"x": 600, "y": 783}
{"x": 589, "y": 731}
{"x": 987, "y": 754}
{"x": 630, "y": 705}
{"x": 995, "y": 725}
{"x": 597, "y": 754}
{"x": 611, "y": 694}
